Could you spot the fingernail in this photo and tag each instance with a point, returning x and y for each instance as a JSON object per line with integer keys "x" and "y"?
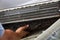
{"x": 27, "y": 25}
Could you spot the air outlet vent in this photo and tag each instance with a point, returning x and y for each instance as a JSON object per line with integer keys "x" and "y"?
{"x": 40, "y": 11}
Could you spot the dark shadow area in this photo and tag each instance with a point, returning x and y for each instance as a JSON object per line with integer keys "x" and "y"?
{"x": 34, "y": 26}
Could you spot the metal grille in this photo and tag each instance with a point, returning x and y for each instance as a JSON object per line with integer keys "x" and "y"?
{"x": 41, "y": 11}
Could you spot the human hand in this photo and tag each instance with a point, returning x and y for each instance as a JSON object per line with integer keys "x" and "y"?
{"x": 17, "y": 35}
{"x": 21, "y": 31}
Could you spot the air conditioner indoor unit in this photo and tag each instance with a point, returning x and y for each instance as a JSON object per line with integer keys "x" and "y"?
{"x": 40, "y": 10}
{"x": 36, "y": 15}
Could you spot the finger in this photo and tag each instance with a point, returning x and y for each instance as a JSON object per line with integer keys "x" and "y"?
{"x": 24, "y": 34}
{"x": 22, "y": 28}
